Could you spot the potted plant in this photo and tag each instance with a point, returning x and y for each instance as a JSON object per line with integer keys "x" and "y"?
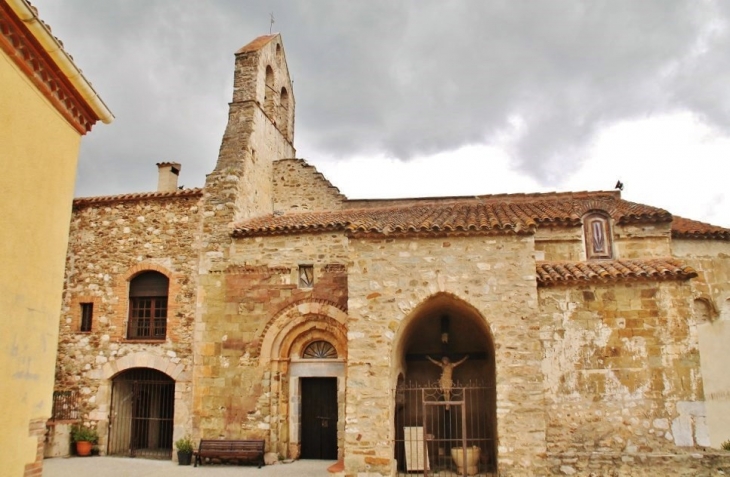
{"x": 84, "y": 437}
{"x": 184, "y": 448}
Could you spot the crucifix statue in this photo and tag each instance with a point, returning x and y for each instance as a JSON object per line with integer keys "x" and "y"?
{"x": 445, "y": 381}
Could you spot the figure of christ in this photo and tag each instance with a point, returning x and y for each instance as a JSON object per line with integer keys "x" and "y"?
{"x": 446, "y": 380}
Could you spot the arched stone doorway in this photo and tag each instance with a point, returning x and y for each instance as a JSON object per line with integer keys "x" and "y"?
{"x": 430, "y": 418}
{"x": 142, "y": 412}
{"x": 305, "y": 350}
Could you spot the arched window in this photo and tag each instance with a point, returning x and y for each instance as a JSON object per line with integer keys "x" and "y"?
{"x": 269, "y": 93}
{"x": 320, "y": 350}
{"x": 283, "y": 120}
{"x": 148, "y": 306}
{"x": 598, "y": 236}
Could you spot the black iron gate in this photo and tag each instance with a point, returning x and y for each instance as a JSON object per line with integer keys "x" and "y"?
{"x": 141, "y": 418}
{"x": 445, "y": 438}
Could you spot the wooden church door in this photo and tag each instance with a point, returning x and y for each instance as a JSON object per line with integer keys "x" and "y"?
{"x": 319, "y": 418}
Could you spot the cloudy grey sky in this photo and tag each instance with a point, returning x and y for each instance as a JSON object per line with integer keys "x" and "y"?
{"x": 459, "y": 97}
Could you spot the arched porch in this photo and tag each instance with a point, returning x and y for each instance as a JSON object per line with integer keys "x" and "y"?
{"x": 445, "y": 389}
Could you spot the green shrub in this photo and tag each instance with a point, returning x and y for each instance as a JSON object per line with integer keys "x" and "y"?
{"x": 80, "y": 433}
{"x": 184, "y": 445}
{"x": 726, "y": 445}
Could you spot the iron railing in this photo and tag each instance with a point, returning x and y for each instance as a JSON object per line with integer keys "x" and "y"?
{"x": 141, "y": 420}
{"x": 65, "y": 406}
{"x": 431, "y": 432}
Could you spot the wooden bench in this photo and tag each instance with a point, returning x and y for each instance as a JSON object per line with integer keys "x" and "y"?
{"x": 247, "y": 450}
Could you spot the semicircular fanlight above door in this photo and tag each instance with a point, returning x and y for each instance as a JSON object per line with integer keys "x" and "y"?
{"x": 319, "y": 350}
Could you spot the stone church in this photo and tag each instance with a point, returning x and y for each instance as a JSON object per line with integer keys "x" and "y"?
{"x": 537, "y": 334}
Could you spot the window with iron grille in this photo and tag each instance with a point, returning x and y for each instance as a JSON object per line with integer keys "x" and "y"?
{"x": 148, "y": 306}
{"x": 87, "y": 311}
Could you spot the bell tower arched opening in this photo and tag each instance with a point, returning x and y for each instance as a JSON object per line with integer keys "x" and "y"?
{"x": 445, "y": 397}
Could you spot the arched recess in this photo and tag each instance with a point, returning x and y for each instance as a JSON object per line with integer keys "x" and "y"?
{"x": 283, "y": 343}
{"x": 598, "y": 235}
{"x": 283, "y": 120}
{"x": 444, "y": 326}
{"x": 177, "y": 372}
{"x": 704, "y": 310}
{"x": 270, "y": 94}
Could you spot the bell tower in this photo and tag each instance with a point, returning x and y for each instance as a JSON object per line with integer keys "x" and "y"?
{"x": 260, "y": 130}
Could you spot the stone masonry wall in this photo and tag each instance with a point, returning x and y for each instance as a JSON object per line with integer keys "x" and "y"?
{"x": 642, "y": 241}
{"x": 298, "y": 186}
{"x": 388, "y": 279}
{"x": 109, "y": 243}
{"x": 629, "y": 241}
{"x": 711, "y": 294}
{"x": 622, "y": 371}
{"x": 234, "y": 392}
{"x": 559, "y": 243}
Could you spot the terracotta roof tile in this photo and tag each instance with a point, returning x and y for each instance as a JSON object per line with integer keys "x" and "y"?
{"x": 82, "y": 201}
{"x": 557, "y": 273}
{"x": 692, "y": 229}
{"x": 517, "y": 213}
{"x": 257, "y": 43}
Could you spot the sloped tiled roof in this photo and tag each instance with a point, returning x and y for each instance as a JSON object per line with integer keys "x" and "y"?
{"x": 693, "y": 229}
{"x": 499, "y": 214}
{"x": 82, "y": 201}
{"x": 257, "y": 43}
{"x": 564, "y": 273}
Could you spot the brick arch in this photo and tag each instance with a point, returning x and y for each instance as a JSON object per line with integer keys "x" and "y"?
{"x": 145, "y": 360}
{"x": 141, "y": 267}
{"x": 284, "y": 332}
{"x": 121, "y": 290}
{"x": 606, "y": 206}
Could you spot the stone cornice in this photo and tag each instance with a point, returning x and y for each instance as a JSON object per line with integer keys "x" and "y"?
{"x": 33, "y": 60}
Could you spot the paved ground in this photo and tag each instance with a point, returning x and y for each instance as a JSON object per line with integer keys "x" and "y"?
{"x": 129, "y": 467}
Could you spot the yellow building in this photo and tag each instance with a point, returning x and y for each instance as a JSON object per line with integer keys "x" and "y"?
{"x": 46, "y": 105}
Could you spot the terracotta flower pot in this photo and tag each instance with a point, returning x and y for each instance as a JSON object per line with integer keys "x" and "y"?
{"x": 83, "y": 448}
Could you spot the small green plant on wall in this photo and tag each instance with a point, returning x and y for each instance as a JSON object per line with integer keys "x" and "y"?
{"x": 726, "y": 445}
